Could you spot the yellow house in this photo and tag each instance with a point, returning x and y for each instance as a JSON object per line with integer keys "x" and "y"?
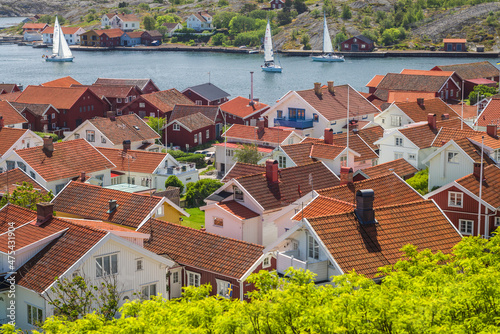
{"x": 86, "y": 201}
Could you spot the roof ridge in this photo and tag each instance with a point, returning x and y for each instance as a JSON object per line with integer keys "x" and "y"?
{"x": 333, "y": 199}
{"x": 358, "y": 182}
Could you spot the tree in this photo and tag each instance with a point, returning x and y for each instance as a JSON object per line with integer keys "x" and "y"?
{"x": 149, "y": 22}
{"x": 284, "y": 17}
{"x": 197, "y": 191}
{"x": 240, "y": 24}
{"x": 221, "y": 20}
{"x": 248, "y": 7}
{"x": 26, "y": 196}
{"x": 481, "y": 91}
{"x": 346, "y": 12}
{"x": 419, "y": 181}
{"x": 247, "y": 153}
{"x": 156, "y": 124}
{"x": 174, "y": 181}
{"x": 300, "y": 6}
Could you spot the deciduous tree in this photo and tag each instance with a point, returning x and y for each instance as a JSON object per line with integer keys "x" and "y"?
{"x": 26, "y": 196}
{"x": 247, "y": 153}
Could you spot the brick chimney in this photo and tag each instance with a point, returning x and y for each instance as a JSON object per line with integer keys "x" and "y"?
{"x": 328, "y": 135}
{"x": 445, "y": 116}
{"x": 126, "y": 145}
{"x": 331, "y": 89}
{"x": 111, "y": 115}
{"x": 420, "y": 101}
{"x": 112, "y": 206}
{"x": 44, "y": 212}
{"x": 48, "y": 145}
{"x": 346, "y": 175}
{"x": 2, "y": 122}
{"x": 317, "y": 88}
{"x": 431, "y": 120}
{"x": 491, "y": 130}
{"x": 272, "y": 171}
{"x": 260, "y": 126}
{"x": 364, "y": 206}
{"x": 477, "y": 170}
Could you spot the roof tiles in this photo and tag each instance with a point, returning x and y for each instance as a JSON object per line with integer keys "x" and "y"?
{"x": 143, "y": 161}
{"x": 482, "y": 69}
{"x": 241, "y": 107}
{"x": 242, "y": 169}
{"x": 10, "y": 180}
{"x": 270, "y": 135}
{"x": 400, "y": 166}
{"x": 127, "y": 127}
{"x": 238, "y": 210}
{"x": 9, "y": 114}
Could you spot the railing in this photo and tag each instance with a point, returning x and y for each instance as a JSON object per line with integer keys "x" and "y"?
{"x": 294, "y": 123}
{"x": 285, "y": 261}
{"x": 183, "y": 168}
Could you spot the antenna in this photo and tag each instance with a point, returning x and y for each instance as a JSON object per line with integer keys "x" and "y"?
{"x": 480, "y": 195}
{"x": 347, "y": 141}
{"x": 129, "y": 157}
{"x": 209, "y": 78}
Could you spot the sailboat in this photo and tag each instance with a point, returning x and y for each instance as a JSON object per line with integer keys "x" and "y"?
{"x": 269, "y": 65}
{"x": 60, "y": 48}
{"x": 328, "y": 53}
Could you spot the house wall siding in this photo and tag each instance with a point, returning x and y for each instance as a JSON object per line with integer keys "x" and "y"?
{"x": 442, "y": 172}
{"x": 232, "y": 227}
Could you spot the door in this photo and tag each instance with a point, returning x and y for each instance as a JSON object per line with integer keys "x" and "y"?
{"x": 175, "y": 283}
{"x": 355, "y": 48}
{"x": 459, "y": 47}
{"x": 450, "y": 47}
{"x": 200, "y": 137}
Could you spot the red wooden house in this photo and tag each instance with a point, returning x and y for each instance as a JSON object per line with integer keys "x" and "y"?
{"x": 117, "y": 97}
{"x": 103, "y": 38}
{"x": 150, "y": 36}
{"x": 145, "y": 85}
{"x": 358, "y": 43}
{"x": 206, "y": 94}
{"x": 157, "y": 104}
{"x": 41, "y": 117}
{"x": 277, "y": 4}
{"x": 241, "y": 110}
{"x": 455, "y": 44}
{"x": 189, "y": 131}
{"x": 9, "y": 88}
{"x": 75, "y": 104}
{"x": 460, "y": 201}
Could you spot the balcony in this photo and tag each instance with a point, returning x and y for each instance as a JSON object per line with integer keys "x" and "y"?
{"x": 177, "y": 170}
{"x": 291, "y": 259}
{"x": 294, "y": 123}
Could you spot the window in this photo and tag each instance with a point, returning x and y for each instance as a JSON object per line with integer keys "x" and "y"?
{"x": 411, "y": 157}
{"x": 119, "y": 100}
{"x": 312, "y": 248}
{"x": 281, "y": 162}
{"x": 224, "y": 289}
{"x": 294, "y": 113}
{"x": 35, "y": 315}
{"x": 176, "y": 127}
{"x": 333, "y": 123}
{"x": 229, "y": 153}
{"x": 138, "y": 265}
{"x": 199, "y": 102}
{"x": 21, "y": 165}
{"x": 106, "y": 265}
{"x": 363, "y": 46}
{"x": 90, "y": 136}
{"x": 77, "y": 135}
{"x": 193, "y": 279}
{"x": 465, "y": 226}
{"x": 398, "y": 155}
{"x": 453, "y": 157}
{"x": 315, "y": 118}
{"x": 364, "y": 117}
{"x": 148, "y": 291}
{"x": 496, "y": 155}
{"x": 497, "y": 221}
{"x": 279, "y": 114}
{"x": 100, "y": 178}
{"x": 175, "y": 277}
{"x": 218, "y": 222}
{"x": 195, "y": 139}
{"x": 383, "y": 120}
{"x": 131, "y": 179}
{"x": 343, "y": 160}
{"x": 59, "y": 187}
{"x": 396, "y": 120}
{"x": 103, "y": 140}
{"x": 399, "y": 141}
{"x": 32, "y": 174}
{"x": 159, "y": 212}
{"x": 267, "y": 262}
{"x": 238, "y": 194}
{"x": 346, "y": 46}
{"x": 142, "y": 105}
{"x": 455, "y": 199}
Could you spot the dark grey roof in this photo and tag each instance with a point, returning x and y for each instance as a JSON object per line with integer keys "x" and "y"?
{"x": 220, "y": 196}
{"x": 209, "y": 91}
{"x": 141, "y": 83}
{"x": 364, "y": 39}
{"x": 34, "y": 108}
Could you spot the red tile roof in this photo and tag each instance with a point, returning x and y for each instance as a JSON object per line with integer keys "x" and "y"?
{"x": 455, "y": 123}
{"x": 34, "y": 26}
{"x": 141, "y": 83}
{"x": 371, "y": 135}
{"x": 247, "y": 132}
{"x": 238, "y": 210}
{"x": 111, "y": 33}
{"x": 473, "y": 151}
{"x": 10, "y": 96}
{"x": 128, "y": 17}
{"x": 66, "y": 30}
{"x": 143, "y": 161}
{"x": 100, "y": 225}
{"x": 446, "y": 134}
{"x": 418, "y": 113}
{"x": 273, "y": 196}
{"x": 59, "y": 97}
{"x": 242, "y": 169}
{"x": 8, "y": 88}
{"x": 165, "y": 100}
{"x": 490, "y": 114}
{"x": 489, "y": 141}
{"x": 375, "y": 81}
{"x": 431, "y": 73}
{"x": 482, "y": 69}
{"x": 195, "y": 121}
{"x": 454, "y": 40}
{"x": 10, "y": 114}
{"x": 299, "y": 153}
{"x": 92, "y": 202}
{"x": 410, "y": 82}
{"x": 61, "y": 82}
{"x": 356, "y": 143}
{"x": 240, "y": 106}
{"x": 334, "y": 106}
{"x": 68, "y": 160}
{"x": 8, "y": 137}
{"x": 367, "y": 247}
{"x": 468, "y": 111}
{"x": 194, "y": 248}
{"x": 491, "y": 185}
{"x": 181, "y": 110}
{"x": 262, "y": 149}
{"x": 326, "y": 151}
{"x": 10, "y": 180}
{"x": 420, "y": 135}
{"x": 127, "y": 127}
{"x": 112, "y": 91}
{"x": 323, "y": 206}
{"x": 400, "y": 166}
{"x": 389, "y": 189}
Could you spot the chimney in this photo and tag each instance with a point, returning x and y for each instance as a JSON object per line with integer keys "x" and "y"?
{"x": 328, "y": 135}
{"x": 317, "y": 88}
{"x": 346, "y": 175}
{"x": 111, "y": 115}
{"x": 82, "y": 176}
{"x": 431, "y": 120}
{"x": 445, "y": 116}
{"x": 44, "y": 211}
{"x": 251, "y": 88}
{"x": 272, "y": 171}
{"x": 477, "y": 170}
{"x": 48, "y": 145}
{"x": 203, "y": 229}
{"x": 364, "y": 206}
{"x": 260, "y": 126}
{"x": 112, "y": 206}
{"x": 420, "y": 101}
{"x": 491, "y": 130}
{"x": 330, "y": 87}
{"x": 2, "y": 123}
{"x": 126, "y": 145}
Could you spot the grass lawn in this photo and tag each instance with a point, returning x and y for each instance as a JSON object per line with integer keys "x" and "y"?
{"x": 196, "y": 220}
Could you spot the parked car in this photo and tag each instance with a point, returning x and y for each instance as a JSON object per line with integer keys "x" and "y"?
{"x": 210, "y": 157}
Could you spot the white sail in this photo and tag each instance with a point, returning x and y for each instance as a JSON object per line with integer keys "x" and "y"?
{"x": 64, "y": 50}
{"x": 327, "y": 40}
{"x": 268, "y": 44}
{"x": 55, "y": 38}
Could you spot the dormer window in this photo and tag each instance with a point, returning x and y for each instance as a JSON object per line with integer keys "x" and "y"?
{"x": 238, "y": 194}
{"x": 399, "y": 141}
{"x": 453, "y": 157}
{"x": 496, "y": 155}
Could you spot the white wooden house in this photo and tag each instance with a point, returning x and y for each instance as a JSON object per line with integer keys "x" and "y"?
{"x": 71, "y": 34}
{"x": 200, "y": 21}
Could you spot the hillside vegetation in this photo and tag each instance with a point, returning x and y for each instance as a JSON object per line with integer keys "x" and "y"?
{"x": 401, "y": 24}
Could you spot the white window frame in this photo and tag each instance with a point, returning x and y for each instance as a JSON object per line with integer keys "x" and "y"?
{"x": 463, "y": 228}
{"x": 222, "y": 288}
{"x": 90, "y": 135}
{"x": 281, "y": 162}
{"x": 452, "y": 157}
{"x": 207, "y": 134}
{"x": 343, "y": 160}
{"x": 199, "y": 102}
{"x": 497, "y": 221}
{"x": 34, "y": 314}
{"x": 266, "y": 263}
{"x": 77, "y": 136}
{"x": 176, "y": 127}
{"x": 139, "y": 264}
{"x": 119, "y": 100}
{"x": 312, "y": 248}
{"x": 103, "y": 140}
{"x": 195, "y": 140}
{"x": 142, "y": 105}
{"x": 100, "y": 272}
{"x": 148, "y": 291}
{"x": 175, "y": 277}
{"x": 496, "y": 155}
{"x": 398, "y": 155}
{"x": 399, "y": 141}
{"x": 160, "y": 212}
{"x": 193, "y": 279}
{"x": 412, "y": 156}
{"x": 396, "y": 120}
{"x": 238, "y": 194}
{"x": 455, "y": 199}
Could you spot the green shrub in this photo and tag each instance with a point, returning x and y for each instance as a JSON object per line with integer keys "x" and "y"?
{"x": 198, "y": 159}
{"x": 197, "y": 191}
{"x": 55, "y": 137}
{"x": 419, "y": 181}
{"x": 173, "y": 181}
